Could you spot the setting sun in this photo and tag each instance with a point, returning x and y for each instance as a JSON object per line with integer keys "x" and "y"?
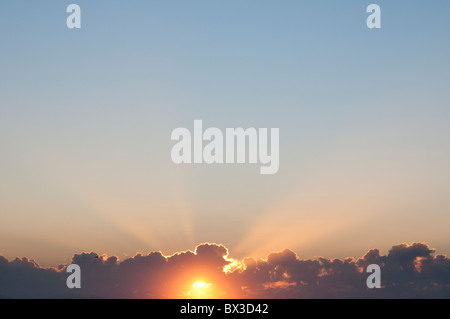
{"x": 200, "y": 285}
{"x": 203, "y": 290}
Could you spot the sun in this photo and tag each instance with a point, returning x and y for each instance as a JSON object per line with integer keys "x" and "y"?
{"x": 201, "y": 290}
{"x": 200, "y": 285}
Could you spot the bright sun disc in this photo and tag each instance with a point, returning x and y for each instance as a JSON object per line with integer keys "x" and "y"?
{"x": 200, "y": 284}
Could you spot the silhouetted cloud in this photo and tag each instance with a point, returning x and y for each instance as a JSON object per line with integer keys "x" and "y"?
{"x": 407, "y": 271}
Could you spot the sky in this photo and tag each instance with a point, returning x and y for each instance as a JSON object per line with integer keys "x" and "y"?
{"x": 86, "y": 117}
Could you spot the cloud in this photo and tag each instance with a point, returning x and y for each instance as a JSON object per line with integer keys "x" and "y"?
{"x": 407, "y": 271}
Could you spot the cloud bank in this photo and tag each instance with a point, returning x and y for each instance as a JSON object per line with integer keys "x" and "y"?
{"x": 407, "y": 271}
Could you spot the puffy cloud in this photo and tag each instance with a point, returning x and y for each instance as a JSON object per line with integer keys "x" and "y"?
{"x": 407, "y": 271}
{"x": 23, "y": 278}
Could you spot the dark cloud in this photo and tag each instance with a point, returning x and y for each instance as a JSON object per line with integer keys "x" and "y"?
{"x": 407, "y": 271}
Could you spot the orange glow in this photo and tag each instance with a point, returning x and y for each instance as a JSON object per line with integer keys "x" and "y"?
{"x": 202, "y": 290}
{"x": 200, "y": 285}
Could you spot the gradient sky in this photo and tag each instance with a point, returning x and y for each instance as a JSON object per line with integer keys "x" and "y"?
{"x": 86, "y": 117}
